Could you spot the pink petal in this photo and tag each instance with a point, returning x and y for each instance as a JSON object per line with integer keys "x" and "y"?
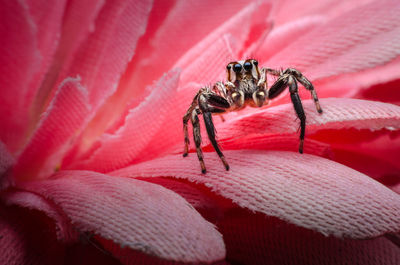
{"x": 221, "y": 46}
{"x": 103, "y": 57}
{"x": 148, "y": 218}
{"x": 6, "y": 163}
{"x": 304, "y": 190}
{"x": 253, "y": 239}
{"x": 19, "y": 61}
{"x": 32, "y": 31}
{"x": 27, "y": 243}
{"x": 184, "y": 26}
{"x": 32, "y": 201}
{"x": 363, "y": 37}
{"x": 140, "y": 126}
{"x": 338, "y": 114}
{"x": 60, "y": 123}
{"x": 78, "y": 21}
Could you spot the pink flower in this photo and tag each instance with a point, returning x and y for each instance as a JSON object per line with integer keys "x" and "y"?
{"x": 92, "y": 99}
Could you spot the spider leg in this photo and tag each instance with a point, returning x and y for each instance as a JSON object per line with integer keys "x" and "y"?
{"x": 294, "y": 96}
{"x": 213, "y": 103}
{"x": 287, "y": 80}
{"x": 197, "y": 137}
{"x": 307, "y": 84}
{"x": 186, "y": 118}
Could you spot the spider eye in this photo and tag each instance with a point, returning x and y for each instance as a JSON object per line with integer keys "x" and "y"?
{"x": 228, "y": 67}
{"x": 237, "y": 68}
{"x": 247, "y": 66}
{"x": 255, "y": 62}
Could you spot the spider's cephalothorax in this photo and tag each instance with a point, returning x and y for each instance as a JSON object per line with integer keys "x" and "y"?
{"x": 246, "y": 85}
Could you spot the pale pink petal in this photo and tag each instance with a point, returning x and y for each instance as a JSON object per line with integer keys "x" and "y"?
{"x": 184, "y": 26}
{"x": 103, "y": 57}
{"x": 140, "y": 126}
{"x": 60, "y": 123}
{"x": 304, "y": 190}
{"x": 206, "y": 61}
{"x": 253, "y": 239}
{"x": 286, "y": 10}
{"x": 134, "y": 214}
{"x": 363, "y": 37}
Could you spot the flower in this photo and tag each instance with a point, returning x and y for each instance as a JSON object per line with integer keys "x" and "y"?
{"x": 92, "y": 98}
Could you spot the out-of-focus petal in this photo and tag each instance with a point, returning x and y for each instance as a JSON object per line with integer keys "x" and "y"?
{"x": 19, "y": 61}
{"x": 286, "y": 10}
{"x": 172, "y": 38}
{"x": 27, "y": 238}
{"x": 59, "y": 125}
{"x": 140, "y": 126}
{"x": 134, "y": 214}
{"x": 78, "y": 22}
{"x": 304, "y": 190}
{"x": 6, "y": 162}
{"x": 103, "y": 57}
{"x": 363, "y": 37}
{"x": 32, "y": 201}
{"x": 253, "y": 239}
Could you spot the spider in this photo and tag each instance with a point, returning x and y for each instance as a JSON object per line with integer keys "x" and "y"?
{"x": 246, "y": 85}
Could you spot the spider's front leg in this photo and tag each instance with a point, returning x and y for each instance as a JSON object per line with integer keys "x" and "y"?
{"x": 205, "y": 102}
{"x": 289, "y": 78}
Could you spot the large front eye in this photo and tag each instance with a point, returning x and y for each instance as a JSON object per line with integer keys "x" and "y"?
{"x": 237, "y": 68}
{"x": 247, "y": 66}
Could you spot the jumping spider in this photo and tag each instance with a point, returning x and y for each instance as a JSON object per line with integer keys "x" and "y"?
{"x": 246, "y": 86}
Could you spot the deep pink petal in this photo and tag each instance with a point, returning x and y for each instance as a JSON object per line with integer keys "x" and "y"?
{"x": 27, "y": 238}
{"x": 6, "y": 163}
{"x": 140, "y": 126}
{"x": 60, "y": 123}
{"x": 337, "y": 114}
{"x": 253, "y": 239}
{"x": 32, "y": 201}
{"x": 305, "y": 190}
{"x": 19, "y": 61}
{"x": 134, "y": 214}
{"x": 363, "y": 37}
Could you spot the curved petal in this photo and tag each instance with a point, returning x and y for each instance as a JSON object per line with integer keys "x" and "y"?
{"x": 362, "y": 37}
{"x": 134, "y": 214}
{"x": 253, "y": 239}
{"x": 139, "y": 127}
{"x": 32, "y": 201}
{"x": 305, "y": 190}
{"x": 61, "y": 122}
{"x": 338, "y": 114}
{"x": 27, "y": 243}
{"x": 19, "y": 61}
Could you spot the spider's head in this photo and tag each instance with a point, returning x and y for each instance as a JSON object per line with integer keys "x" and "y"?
{"x": 245, "y": 69}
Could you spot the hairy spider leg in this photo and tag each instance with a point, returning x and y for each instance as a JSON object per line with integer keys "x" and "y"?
{"x": 212, "y": 103}
{"x": 281, "y": 83}
{"x": 186, "y": 118}
{"x": 302, "y": 79}
{"x": 197, "y": 138}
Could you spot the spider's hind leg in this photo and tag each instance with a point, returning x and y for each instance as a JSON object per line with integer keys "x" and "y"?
{"x": 213, "y": 103}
